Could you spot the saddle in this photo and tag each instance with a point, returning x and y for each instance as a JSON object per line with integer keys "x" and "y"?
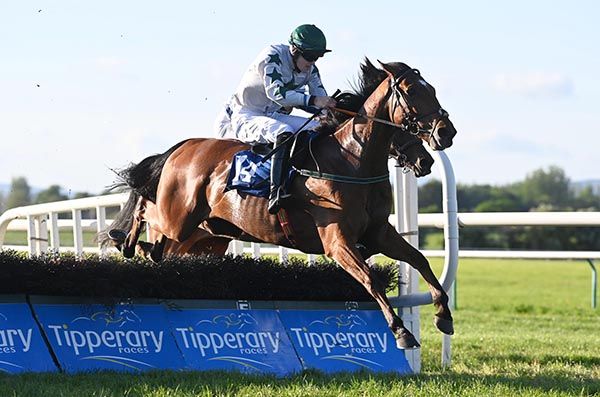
{"x": 250, "y": 170}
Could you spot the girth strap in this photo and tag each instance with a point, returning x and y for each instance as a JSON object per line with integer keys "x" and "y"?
{"x": 286, "y": 226}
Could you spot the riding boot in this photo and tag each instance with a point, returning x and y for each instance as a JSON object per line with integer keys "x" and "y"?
{"x": 279, "y": 170}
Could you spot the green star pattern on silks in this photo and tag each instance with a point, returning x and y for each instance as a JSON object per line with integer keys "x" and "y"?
{"x": 275, "y": 75}
{"x": 289, "y": 86}
{"x": 274, "y": 58}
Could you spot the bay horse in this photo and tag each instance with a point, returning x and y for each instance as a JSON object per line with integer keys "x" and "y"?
{"x": 407, "y": 150}
{"x": 343, "y": 199}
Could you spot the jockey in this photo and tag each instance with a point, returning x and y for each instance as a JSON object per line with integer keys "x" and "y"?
{"x": 282, "y": 77}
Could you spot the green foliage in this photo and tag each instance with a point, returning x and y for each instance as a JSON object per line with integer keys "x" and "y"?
{"x": 433, "y": 240}
{"x": 79, "y": 195}
{"x": 496, "y": 205}
{"x": 20, "y": 193}
{"x": 49, "y": 195}
{"x": 586, "y": 200}
{"x": 469, "y": 196}
{"x": 430, "y": 197}
{"x": 201, "y": 277}
{"x": 543, "y": 187}
{"x": 542, "y": 190}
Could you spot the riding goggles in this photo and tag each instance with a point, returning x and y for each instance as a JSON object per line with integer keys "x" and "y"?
{"x": 311, "y": 56}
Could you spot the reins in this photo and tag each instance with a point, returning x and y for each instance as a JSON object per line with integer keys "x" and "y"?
{"x": 376, "y": 119}
{"x": 410, "y": 125}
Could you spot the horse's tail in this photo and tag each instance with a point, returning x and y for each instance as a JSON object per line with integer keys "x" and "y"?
{"x": 122, "y": 221}
{"x": 142, "y": 180}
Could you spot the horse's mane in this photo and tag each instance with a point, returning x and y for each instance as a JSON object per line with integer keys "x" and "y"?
{"x": 369, "y": 79}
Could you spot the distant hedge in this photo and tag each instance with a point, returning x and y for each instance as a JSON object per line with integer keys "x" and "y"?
{"x": 201, "y": 277}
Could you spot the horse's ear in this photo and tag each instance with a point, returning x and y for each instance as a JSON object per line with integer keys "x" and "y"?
{"x": 387, "y": 68}
{"x": 367, "y": 66}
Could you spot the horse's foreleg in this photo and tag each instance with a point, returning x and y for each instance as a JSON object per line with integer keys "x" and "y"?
{"x": 158, "y": 249}
{"x": 144, "y": 249}
{"x": 391, "y": 244}
{"x": 153, "y": 251}
{"x": 347, "y": 255}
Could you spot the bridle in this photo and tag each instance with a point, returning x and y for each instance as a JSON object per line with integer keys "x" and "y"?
{"x": 400, "y": 155}
{"x": 412, "y": 121}
{"x": 411, "y": 124}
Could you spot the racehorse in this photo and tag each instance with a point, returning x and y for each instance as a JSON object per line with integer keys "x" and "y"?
{"x": 406, "y": 149}
{"x": 343, "y": 199}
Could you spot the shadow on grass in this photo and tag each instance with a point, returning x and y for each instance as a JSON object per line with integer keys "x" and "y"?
{"x": 307, "y": 383}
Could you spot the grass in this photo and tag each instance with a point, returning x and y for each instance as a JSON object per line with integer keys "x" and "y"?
{"x": 13, "y": 237}
{"x": 523, "y": 328}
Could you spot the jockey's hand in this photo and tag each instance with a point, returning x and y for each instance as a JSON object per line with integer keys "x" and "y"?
{"x": 325, "y": 102}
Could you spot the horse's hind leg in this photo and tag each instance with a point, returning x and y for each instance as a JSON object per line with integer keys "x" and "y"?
{"x": 338, "y": 247}
{"x": 391, "y": 244}
{"x": 136, "y": 228}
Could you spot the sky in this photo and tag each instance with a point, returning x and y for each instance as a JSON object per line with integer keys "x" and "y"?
{"x": 88, "y": 86}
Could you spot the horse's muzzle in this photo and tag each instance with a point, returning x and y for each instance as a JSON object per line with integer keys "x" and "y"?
{"x": 441, "y": 138}
{"x": 422, "y": 166}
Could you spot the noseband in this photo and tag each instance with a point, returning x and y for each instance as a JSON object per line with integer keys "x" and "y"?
{"x": 401, "y": 157}
{"x": 412, "y": 121}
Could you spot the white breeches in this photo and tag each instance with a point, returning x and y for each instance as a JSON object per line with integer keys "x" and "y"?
{"x": 252, "y": 127}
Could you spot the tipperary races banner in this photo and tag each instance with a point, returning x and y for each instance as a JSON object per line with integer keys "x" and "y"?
{"x": 342, "y": 340}
{"x": 76, "y": 336}
{"x": 22, "y": 348}
{"x": 251, "y": 341}
{"x": 122, "y": 337}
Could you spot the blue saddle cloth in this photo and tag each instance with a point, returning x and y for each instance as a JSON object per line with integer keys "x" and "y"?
{"x": 251, "y": 176}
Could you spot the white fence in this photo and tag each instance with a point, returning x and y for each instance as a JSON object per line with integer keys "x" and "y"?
{"x": 42, "y": 226}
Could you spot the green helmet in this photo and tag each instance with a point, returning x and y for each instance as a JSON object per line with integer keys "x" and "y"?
{"x": 309, "y": 38}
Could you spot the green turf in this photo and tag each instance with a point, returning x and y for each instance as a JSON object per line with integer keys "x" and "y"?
{"x": 66, "y": 238}
{"x": 523, "y": 328}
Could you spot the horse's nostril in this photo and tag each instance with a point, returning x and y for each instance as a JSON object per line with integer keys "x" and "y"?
{"x": 434, "y": 143}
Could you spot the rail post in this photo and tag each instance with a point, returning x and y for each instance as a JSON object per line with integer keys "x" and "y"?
{"x": 594, "y": 283}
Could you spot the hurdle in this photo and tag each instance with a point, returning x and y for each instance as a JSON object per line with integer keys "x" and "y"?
{"x": 43, "y": 224}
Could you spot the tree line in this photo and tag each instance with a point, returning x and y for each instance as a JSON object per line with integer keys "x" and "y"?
{"x": 20, "y": 194}
{"x": 541, "y": 190}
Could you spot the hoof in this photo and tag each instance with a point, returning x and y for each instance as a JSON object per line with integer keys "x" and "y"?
{"x": 117, "y": 236}
{"x": 444, "y": 325}
{"x": 405, "y": 340}
{"x": 129, "y": 252}
{"x": 155, "y": 257}
{"x": 143, "y": 249}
